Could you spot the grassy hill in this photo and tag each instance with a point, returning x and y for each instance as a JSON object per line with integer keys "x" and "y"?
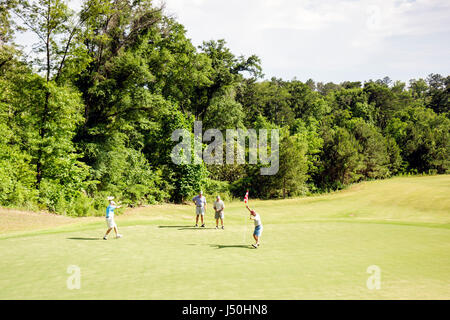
{"x": 312, "y": 248}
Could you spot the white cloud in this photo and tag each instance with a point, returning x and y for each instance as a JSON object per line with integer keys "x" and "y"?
{"x": 328, "y": 40}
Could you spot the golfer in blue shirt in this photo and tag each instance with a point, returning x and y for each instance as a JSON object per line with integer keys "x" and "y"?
{"x": 200, "y": 203}
{"x": 110, "y": 219}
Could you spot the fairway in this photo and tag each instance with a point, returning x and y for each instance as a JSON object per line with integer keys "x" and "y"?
{"x": 312, "y": 248}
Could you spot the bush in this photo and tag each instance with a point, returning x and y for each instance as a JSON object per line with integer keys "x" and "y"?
{"x": 215, "y": 188}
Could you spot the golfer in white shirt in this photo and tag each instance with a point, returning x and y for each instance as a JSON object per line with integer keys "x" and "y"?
{"x": 219, "y": 206}
{"x": 258, "y": 226}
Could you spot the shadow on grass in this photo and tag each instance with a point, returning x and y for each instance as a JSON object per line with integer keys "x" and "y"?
{"x": 74, "y": 238}
{"x": 175, "y": 227}
{"x": 196, "y": 228}
{"x": 185, "y": 227}
{"x": 221, "y": 246}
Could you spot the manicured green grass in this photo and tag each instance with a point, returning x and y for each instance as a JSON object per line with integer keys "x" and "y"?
{"x": 312, "y": 248}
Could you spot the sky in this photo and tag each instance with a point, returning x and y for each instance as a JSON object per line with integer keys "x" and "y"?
{"x": 325, "y": 40}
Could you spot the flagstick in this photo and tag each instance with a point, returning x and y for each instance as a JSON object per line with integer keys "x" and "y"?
{"x": 246, "y": 222}
{"x": 245, "y": 231}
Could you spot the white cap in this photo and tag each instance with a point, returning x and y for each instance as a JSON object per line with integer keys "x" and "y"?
{"x": 110, "y": 198}
{"x": 218, "y": 197}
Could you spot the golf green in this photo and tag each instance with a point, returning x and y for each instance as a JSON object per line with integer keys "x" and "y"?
{"x": 312, "y": 248}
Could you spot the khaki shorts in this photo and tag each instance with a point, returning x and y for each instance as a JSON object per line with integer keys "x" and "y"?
{"x": 200, "y": 211}
{"x": 110, "y": 222}
{"x": 218, "y": 215}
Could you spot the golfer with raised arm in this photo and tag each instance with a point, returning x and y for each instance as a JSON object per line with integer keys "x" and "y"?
{"x": 200, "y": 203}
{"x": 110, "y": 219}
{"x": 258, "y": 226}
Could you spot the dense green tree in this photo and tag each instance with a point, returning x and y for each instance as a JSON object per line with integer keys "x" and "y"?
{"x": 383, "y": 102}
{"x": 395, "y": 164}
{"x": 17, "y": 174}
{"x": 325, "y": 88}
{"x": 292, "y": 174}
{"x": 52, "y": 22}
{"x": 340, "y": 160}
{"x": 372, "y": 148}
{"x": 186, "y": 179}
{"x": 308, "y": 132}
{"x": 227, "y": 72}
{"x": 270, "y": 99}
{"x": 439, "y": 93}
{"x": 355, "y": 101}
{"x": 25, "y": 98}
{"x": 419, "y": 91}
{"x": 351, "y": 84}
{"x": 424, "y": 137}
{"x": 178, "y": 71}
{"x": 305, "y": 102}
{"x": 119, "y": 108}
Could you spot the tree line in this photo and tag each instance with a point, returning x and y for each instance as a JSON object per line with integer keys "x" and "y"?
{"x": 91, "y": 112}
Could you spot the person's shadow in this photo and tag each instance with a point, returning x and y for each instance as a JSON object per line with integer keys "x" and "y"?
{"x": 185, "y": 227}
{"x": 223, "y": 246}
{"x": 78, "y": 238}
